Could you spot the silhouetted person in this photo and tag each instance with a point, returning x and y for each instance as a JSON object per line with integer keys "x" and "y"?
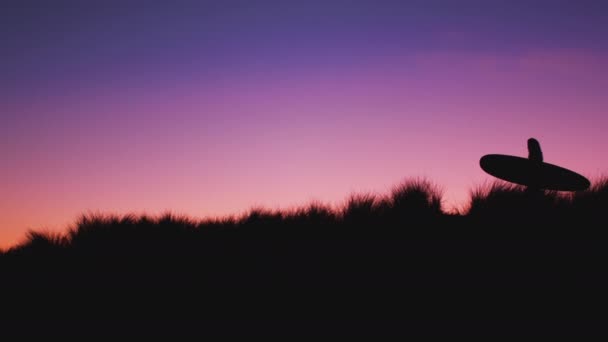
{"x": 535, "y": 154}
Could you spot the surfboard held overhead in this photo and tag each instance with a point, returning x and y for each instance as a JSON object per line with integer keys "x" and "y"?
{"x": 533, "y": 172}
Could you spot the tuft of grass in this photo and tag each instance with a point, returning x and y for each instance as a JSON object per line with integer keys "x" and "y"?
{"x": 260, "y": 221}
{"x": 360, "y": 208}
{"x": 40, "y": 242}
{"x": 415, "y": 198}
{"x": 313, "y": 213}
{"x": 260, "y": 216}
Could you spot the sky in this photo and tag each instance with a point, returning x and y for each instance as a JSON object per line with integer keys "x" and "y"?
{"x": 210, "y": 108}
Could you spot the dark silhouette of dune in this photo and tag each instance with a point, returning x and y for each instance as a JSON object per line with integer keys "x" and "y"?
{"x": 394, "y": 264}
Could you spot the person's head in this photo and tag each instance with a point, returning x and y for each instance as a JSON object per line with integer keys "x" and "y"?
{"x": 533, "y": 144}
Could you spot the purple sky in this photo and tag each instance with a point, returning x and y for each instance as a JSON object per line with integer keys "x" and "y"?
{"x": 212, "y": 107}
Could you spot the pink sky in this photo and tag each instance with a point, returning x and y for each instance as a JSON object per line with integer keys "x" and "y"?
{"x": 282, "y": 140}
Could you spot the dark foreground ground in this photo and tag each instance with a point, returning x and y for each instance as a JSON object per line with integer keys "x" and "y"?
{"x": 515, "y": 264}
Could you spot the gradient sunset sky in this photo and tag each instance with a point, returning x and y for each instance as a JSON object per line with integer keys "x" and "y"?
{"x": 208, "y": 108}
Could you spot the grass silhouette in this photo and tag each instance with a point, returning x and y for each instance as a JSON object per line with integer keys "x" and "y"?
{"x": 360, "y": 262}
{"x": 410, "y": 204}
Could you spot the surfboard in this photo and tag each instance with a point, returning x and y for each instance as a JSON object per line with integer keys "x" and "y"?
{"x": 540, "y": 175}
